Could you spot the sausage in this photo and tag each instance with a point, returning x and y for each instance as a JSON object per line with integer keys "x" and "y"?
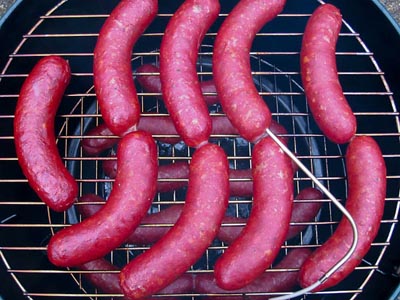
{"x": 151, "y": 83}
{"x": 231, "y": 66}
{"x": 108, "y": 281}
{"x": 34, "y": 136}
{"x": 130, "y": 198}
{"x": 240, "y": 184}
{"x": 105, "y": 139}
{"x": 268, "y": 282}
{"x": 366, "y": 173}
{"x": 100, "y": 138}
{"x": 174, "y": 174}
{"x": 303, "y": 211}
{"x": 240, "y": 180}
{"x": 112, "y": 71}
{"x": 266, "y": 230}
{"x": 322, "y": 88}
{"x": 142, "y": 235}
{"x": 161, "y": 127}
{"x": 206, "y": 201}
{"x": 178, "y": 57}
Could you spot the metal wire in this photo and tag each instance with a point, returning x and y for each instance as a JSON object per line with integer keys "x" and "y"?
{"x": 277, "y": 77}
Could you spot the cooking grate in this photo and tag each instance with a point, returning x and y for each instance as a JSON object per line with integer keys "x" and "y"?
{"x": 70, "y": 29}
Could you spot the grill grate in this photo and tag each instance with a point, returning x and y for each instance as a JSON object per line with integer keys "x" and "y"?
{"x": 70, "y": 30}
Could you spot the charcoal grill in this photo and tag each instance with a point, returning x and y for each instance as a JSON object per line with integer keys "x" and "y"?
{"x": 369, "y": 73}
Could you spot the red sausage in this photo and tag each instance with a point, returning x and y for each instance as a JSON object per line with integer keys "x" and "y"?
{"x": 366, "y": 200}
{"x": 130, "y": 198}
{"x": 231, "y": 66}
{"x": 108, "y": 282}
{"x": 303, "y": 211}
{"x": 241, "y": 184}
{"x": 174, "y": 174}
{"x": 35, "y": 141}
{"x": 151, "y": 83}
{"x": 160, "y": 127}
{"x": 260, "y": 241}
{"x": 143, "y": 235}
{"x": 267, "y": 282}
{"x": 112, "y": 71}
{"x": 105, "y": 139}
{"x": 204, "y": 208}
{"x": 323, "y": 91}
{"x": 178, "y": 57}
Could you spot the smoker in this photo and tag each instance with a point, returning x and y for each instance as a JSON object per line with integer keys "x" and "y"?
{"x": 369, "y": 70}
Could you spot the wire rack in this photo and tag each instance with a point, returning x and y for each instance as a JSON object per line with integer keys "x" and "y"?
{"x": 70, "y": 29}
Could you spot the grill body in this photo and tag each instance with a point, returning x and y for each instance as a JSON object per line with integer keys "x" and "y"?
{"x": 368, "y": 71}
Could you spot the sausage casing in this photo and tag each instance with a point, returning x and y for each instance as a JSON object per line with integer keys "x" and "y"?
{"x": 129, "y": 201}
{"x": 35, "y": 141}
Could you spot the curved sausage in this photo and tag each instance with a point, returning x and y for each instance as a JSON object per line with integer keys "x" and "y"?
{"x": 366, "y": 200}
{"x": 35, "y": 141}
{"x": 112, "y": 71}
{"x": 303, "y": 211}
{"x": 105, "y": 139}
{"x": 174, "y": 175}
{"x": 322, "y": 88}
{"x": 100, "y": 138}
{"x": 204, "y": 208}
{"x": 108, "y": 281}
{"x": 130, "y": 198}
{"x": 179, "y": 81}
{"x": 267, "y": 282}
{"x": 152, "y": 83}
{"x": 231, "y": 66}
{"x": 142, "y": 235}
{"x": 260, "y": 241}
{"x": 240, "y": 184}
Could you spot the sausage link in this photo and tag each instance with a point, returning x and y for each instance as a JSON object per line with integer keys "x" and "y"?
{"x": 161, "y": 125}
{"x": 322, "y": 88}
{"x": 142, "y": 235}
{"x": 178, "y": 56}
{"x": 366, "y": 199}
{"x": 35, "y": 141}
{"x": 241, "y": 184}
{"x": 303, "y": 211}
{"x": 108, "y": 281}
{"x": 172, "y": 173}
{"x": 112, "y": 71}
{"x": 231, "y": 66}
{"x": 130, "y": 198}
{"x": 105, "y": 139}
{"x": 152, "y": 84}
{"x": 204, "y": 208}
{"x": 268, "y": 282}
{"x": 260, "y": 241}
